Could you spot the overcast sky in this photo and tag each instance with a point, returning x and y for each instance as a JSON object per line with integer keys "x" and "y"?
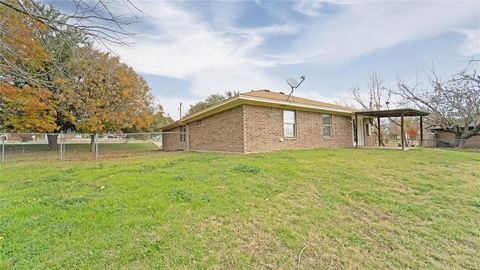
{"x": 188, "y": 50}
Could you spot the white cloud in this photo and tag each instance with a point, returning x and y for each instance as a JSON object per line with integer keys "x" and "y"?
{"x": 471, "y": 45}
{"x": 313, "y": 8}
{"x": 308, "y": 7}
{"x": 364, "y": 27}
{"x": 189, "y": 48}
{"x": 214, "y": 54}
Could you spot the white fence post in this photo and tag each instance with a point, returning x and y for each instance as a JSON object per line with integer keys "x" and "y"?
{"x": 62, "y": 146}
{"x": 149, "y": 142}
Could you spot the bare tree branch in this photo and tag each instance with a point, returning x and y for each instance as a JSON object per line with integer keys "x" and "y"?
{"x": 454, "y": 104}
{"x": 95, "y": 18}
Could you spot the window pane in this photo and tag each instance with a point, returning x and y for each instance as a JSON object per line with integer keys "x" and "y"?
{"x": 289, "y": 117}
{"x": 289, "y": 130}
{"x": 326, "y": 119}
{"x": 326, "y": 131}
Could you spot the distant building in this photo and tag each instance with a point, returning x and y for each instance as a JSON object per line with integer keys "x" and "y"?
{"x": 446, "y": 138}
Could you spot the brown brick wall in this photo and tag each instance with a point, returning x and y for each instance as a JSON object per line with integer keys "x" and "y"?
{"x": 171, "y": 140}
{"x": 249, "y": 128}
{"x": 264, "y": 130}
{"x": 220, "y": 132}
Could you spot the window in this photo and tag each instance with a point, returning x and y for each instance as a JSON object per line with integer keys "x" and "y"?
{"x": 183, "y": 134}
{"x": 327, "y": 125}
{"x": 289, "y": 125}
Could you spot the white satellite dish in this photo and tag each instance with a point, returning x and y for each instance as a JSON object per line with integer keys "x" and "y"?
{"x": 292, "y": 82}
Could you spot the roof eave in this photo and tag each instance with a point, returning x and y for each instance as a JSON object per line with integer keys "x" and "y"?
{"x": 250, "y": 100}
{"x": 224, "y": 105}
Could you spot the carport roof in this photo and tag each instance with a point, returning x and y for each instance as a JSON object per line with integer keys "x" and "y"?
{"x": 393, "y": 113}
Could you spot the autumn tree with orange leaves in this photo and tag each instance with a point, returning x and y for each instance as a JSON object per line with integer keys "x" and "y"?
{"x": 110, "y": 96}
{"x": 25, "y": 105}
{"x": 27, "y": 109}
{"x": 52, "y": 81}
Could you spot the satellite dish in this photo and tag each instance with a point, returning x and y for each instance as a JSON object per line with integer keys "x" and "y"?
{"x": 292, "y": 82}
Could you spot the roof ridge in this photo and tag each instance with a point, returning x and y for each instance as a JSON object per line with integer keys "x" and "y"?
{"x": 309, "y": 100}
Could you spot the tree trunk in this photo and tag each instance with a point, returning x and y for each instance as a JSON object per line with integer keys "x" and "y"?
{"x": 52, "y": 141}
{"x": 92, "y": 143}
{"x": 464, "y": 136}
{"x": 459, "y": 142}
{"x": 25, "y": 137}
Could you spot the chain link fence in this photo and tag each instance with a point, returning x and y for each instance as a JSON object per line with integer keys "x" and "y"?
{"x": 452, "y": 143}
{"x": 17, "y": 147}
{"x": 432, "y": 140}
{"x": 436, "y": 143}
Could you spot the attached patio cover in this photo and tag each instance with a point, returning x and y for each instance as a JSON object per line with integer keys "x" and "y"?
{"x": 392, "y": 113}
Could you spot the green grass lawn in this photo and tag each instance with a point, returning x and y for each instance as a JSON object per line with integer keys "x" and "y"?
{"x": 344, "y": 208}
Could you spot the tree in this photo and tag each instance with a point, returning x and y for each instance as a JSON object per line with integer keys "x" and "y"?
{"x": 210, "y": 101}
{"x": 376, "y": 97}
{"x": 99, "y": 19}
{"x": 412, "y": 133}
{"x": 26, "y": 109}
{"x": 44, "y": 50}
{"x": 160, "y": 119}
{"x": 22, "y": 54}
{"x": 110, "y": 95}
{"x": 35, "y": 55}
{"x": 454, "y": 104}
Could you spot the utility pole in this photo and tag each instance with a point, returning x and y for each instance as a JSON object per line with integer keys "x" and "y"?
{"x": 180, "y": 110}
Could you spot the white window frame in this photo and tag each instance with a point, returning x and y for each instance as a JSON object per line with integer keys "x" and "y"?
{"x": 327, "y": 125}
{"x": 183, "y": 134}
{"x": 294, "y": 124}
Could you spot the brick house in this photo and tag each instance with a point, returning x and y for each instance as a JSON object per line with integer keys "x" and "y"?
{"x": 263, "y": 121}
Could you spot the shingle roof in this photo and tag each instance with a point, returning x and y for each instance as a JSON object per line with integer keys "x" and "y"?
{"x": 264, "y": 98}
{"x": 264, "y": 93}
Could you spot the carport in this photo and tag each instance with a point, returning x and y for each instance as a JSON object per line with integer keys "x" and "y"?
{"x": 402, "y": 113}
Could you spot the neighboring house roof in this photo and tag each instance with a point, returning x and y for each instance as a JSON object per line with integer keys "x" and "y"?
{"x": 265, "y": 98}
